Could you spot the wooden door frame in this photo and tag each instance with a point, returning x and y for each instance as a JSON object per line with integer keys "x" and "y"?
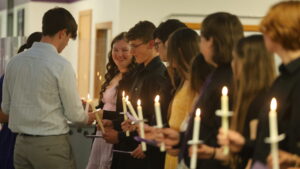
{"x": 247, "y": 28}
{"x": 100, "y": 26}
{"x": 82, "y": 13}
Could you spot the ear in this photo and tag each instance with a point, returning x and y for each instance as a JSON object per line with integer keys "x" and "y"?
{"x": 151, "y": 44}
{"x": 62, "y": 33}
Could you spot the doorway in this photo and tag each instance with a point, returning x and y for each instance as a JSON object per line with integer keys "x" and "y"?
{"x": 84, "y": 52}
{"x": 102, "y": 47}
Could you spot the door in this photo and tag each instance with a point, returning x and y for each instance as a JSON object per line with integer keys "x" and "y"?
{"x": 84, "y": 42}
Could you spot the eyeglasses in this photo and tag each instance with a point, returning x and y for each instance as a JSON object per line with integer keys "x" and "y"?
{"x": 133, "y": 46}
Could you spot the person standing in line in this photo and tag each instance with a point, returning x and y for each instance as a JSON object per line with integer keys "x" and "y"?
{"x": 40, "y": 95}
{"x": 8, "y": 138}
{"x": 120, "y": 68}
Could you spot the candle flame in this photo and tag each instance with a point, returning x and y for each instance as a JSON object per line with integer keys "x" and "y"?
{"x": 100, "y": 78}
{"x": 88, "y": 97}
{"x": 273, "y": 105}
{"x": 157, "y": 98}
{"x": 198, "y": 112}
{"x": 98, "y": 73}
{"x": 139, "y": 102}
{"x": 123, "y": 93}
{"x": 224, "y": 91}
{"x": 127, "y": 98}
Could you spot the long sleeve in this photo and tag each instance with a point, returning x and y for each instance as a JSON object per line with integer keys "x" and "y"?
{"x": 73, "y": 109}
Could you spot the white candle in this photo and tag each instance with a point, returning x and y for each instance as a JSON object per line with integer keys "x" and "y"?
{"x": 141, "y": 124}
{"x": 196, "y": 132}
{"x": 158, "y": 118}
{"x": 225, "y": 112}
{"x": 124, "y": 110}
{"x": 131, "y": 108}
{"x": 274, "y": 133}
{"x": 88, "y": 101}
{"x": 98, "y": 119}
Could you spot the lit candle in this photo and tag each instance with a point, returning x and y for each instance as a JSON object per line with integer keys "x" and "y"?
{"x": 196, "y": 132}
{"x": 158, "y": 118}
{"x": 131, "y": 108}
{"x": 100, "y": 78}
{"x": 125, "y": 110}
{"x": 274, "y": 133}
{"x": 141, "y": 124}
{"x": 225, "y": 112}
{"x": 88, "y": 101}
{"x": 98, "y": 73}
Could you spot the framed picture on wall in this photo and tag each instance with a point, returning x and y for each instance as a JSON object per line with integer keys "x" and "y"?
{"x": 20, "y": 22}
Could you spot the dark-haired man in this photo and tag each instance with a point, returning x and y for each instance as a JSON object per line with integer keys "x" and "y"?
{"x": 151, "y": 79}
{"x": 40, "y": 94}
{"x": 162, "y": 33}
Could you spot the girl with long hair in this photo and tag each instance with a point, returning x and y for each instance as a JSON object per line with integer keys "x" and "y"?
{"x": 120, "y": 65}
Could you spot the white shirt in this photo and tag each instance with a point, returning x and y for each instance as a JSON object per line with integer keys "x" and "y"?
{"x": 40, "y": 92}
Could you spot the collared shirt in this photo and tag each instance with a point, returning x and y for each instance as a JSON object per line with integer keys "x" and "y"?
{"x": 286, "y": 90}
{"x": 40, "y": 92}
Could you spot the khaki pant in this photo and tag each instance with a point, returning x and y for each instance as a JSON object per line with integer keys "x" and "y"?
{"x": 46, "y": 152}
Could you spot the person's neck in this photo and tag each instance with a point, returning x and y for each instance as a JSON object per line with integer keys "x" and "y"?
{"x": 123, "y": 70}
{"x": 150, "y": 58}
{"x": 288, "y": 56}
{"x": 50, "y": 40}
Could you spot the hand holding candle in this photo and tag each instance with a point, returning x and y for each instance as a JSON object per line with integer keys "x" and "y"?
{"x": 141, "y": 124}
{"x": 125, "y": 110}
{"x": 158, "y": 118}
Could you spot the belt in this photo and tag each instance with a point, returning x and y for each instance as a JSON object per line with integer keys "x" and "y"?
{"x": 29, "y": 135}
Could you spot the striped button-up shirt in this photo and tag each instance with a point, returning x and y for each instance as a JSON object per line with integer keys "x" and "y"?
{"x": 40, "y": 92}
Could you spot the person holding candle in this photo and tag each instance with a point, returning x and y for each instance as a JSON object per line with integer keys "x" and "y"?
{"x": 40, "y": 95}
{"x": 152, "y": 79}
{"x": 279, "y": 28}
{"x": 282, "y": 37}
{"x": 251, "y": 87}
{"x": 120, "y": 69}
{"x": 216, "y": 44}
{"x": 182, "y": 49}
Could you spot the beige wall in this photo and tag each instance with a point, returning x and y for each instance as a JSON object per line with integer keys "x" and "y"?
{"x": 125, "y": 13}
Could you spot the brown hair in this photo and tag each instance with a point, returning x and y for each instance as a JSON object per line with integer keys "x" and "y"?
{"x": 199, "y": 71}
{"x": 183, "y": 46}
{"x": 143, "y": 31}
{"x": 111, "y": 67}
{"x": 225, "y": 29}
{"x": 282, "y": 24}
{"x": 256, "y": 75}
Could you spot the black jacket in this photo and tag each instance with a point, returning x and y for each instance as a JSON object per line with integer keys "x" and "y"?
{"x": 149, "y": 81}
{"x": 286, "y": 90}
